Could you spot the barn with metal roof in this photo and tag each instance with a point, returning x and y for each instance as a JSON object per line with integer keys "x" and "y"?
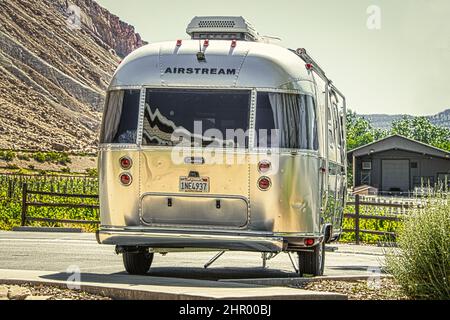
{"x": 397, "y": 164}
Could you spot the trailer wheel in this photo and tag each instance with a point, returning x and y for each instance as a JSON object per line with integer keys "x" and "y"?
{"x": 312, "y": 262}
{"x": 137, "y": 263}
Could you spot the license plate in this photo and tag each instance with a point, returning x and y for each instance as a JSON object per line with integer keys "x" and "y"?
{"x": 191, "y": 184}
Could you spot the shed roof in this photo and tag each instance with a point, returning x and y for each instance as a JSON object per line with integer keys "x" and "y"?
{"x": 398, "y": 142}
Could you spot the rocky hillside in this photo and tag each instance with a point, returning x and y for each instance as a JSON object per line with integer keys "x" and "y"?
{"x": 441, "y": 119}
{"x": 56, "y": 59}
{"x": 384, "y": 121}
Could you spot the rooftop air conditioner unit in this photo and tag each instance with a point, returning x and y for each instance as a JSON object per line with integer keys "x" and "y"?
{"x": 222, "y": 28}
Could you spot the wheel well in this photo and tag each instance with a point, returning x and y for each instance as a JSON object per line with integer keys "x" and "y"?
{"x": 328, "y": 233}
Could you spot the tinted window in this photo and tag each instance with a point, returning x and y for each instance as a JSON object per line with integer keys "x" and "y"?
{"x": 286, "y": 121}
{"x": 120, "y": 118}
{"x": 201, "y": 117}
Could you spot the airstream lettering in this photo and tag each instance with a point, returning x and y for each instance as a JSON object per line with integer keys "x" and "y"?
{"x": 218, "y": 71}
{"x": 221, "y": 142}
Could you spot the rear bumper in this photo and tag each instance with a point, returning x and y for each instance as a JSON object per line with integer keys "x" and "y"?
{"x": 189, "y": 239}
{"x": 155, "y": 239}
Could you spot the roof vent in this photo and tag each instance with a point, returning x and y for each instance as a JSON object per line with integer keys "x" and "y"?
{"x": 225, "y": 28}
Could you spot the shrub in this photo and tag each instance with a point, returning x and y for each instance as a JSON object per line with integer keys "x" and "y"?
{"x": 65, "y": 170}
{"x": 22, "y": 156}
{"x": 55, "y": 157}
{"x": 421, "y": 265}
{"x": 7, "y": 155}
{"x": 92, "y": 172}
{"x": 39, "y": 157}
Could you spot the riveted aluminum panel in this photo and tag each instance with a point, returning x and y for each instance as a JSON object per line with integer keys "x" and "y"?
{"x": 249, "y": 64}
{"x": 116, "y": 205}
{"x": 292, "y": 204}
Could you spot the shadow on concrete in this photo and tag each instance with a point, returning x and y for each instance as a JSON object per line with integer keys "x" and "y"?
{"x": 215, "y": 274}
{"x": 178, "y": 277}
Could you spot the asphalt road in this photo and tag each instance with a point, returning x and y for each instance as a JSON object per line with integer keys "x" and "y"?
{"x": 62, "y": 251}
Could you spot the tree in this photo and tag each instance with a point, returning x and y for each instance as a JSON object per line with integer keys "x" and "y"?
{"x": 360, "y": 131}
{"x": 421, "y": 129}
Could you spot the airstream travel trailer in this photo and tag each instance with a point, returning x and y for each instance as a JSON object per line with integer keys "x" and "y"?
{"x": 221, "y": 142}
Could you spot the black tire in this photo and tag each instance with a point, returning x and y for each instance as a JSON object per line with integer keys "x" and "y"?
{"x": 137, "y": 263}
{"x": 312, "y": 262}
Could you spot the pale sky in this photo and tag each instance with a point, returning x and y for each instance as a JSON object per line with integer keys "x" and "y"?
{"x": 403, "y": 67}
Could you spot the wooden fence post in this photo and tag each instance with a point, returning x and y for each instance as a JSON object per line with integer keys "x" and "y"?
{"x": 10, "y": 189}
{"x": 24, "y": 205}
{"x": 357, "y": 218}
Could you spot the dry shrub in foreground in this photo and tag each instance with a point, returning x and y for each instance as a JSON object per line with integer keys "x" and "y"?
{"x": 421, "y": 265}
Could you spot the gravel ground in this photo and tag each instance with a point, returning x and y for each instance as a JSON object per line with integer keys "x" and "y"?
{"x": 45, "y": 292}
{"x": 384, "y": 289}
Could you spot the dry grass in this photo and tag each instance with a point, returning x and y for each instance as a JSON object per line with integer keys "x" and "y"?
{"x": 421, "y": 265}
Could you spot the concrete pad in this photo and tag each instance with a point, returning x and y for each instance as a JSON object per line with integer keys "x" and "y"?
{"x": 38, "y": 298}
{"x": 286, "y": 282}
{"x": 121, "y": 286}
{"x": 361, "y": 249}
{"x": 47, "y": 229}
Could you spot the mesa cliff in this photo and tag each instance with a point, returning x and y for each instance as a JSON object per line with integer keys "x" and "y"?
{"x": 56, "y": 60}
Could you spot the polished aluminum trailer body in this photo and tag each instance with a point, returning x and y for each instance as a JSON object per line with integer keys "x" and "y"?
{"x": 306, "y": 195}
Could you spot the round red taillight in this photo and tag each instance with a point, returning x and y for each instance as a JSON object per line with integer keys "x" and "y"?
{"x": 309, "y": 242}
{"x": 126, "y": 179}
{"x": 264, "y": 183}
{"x": 125, "y": 163}
{"x": 264, "y": 166}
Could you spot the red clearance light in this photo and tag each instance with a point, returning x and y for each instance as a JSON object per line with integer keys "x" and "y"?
{"x": 264, "y": 166}
{"x": 126, "y": 179}
{"x": 179, "y": 43}
{"x": 206, "y": 43}
{"x": 233, "y": 43}
{"x": 309, "y": 66}
{"x": 264, "y": 183}
{"x": 125, "y": 163}
{"x": 309, "y": 242}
